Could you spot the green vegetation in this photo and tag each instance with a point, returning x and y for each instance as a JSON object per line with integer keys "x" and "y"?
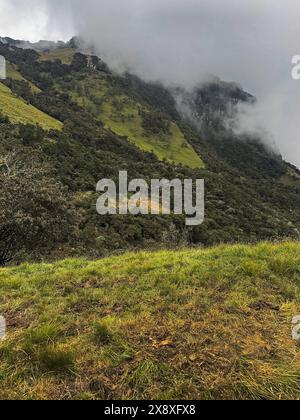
{"x": 126, "y": 117}
{"x": 65, "y": 55}
{"x": 18, "y": 111}
{"x": 247, "y": 199}
{"x": 204, "y": 324}
{"x": 34, "y": 206}
{"x": 171, "y": 146}
{"x": 291, "y": 178}
{"x": 14, "y": 74}
{"x": 191, "y": 323}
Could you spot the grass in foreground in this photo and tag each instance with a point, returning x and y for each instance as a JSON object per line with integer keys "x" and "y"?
{"x": 204, "y": 324}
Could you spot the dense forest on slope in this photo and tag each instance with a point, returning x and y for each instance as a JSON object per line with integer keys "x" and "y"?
{"x": 89, "y": 123}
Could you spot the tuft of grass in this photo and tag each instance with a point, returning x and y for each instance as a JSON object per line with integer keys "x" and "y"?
{"x": 273, "y": 383}
{"x": 118, "y": 352}
{"x": 41, "y": 335}
{"x": 56, "y": 360}
{"x": 147, "y": 373}
{"x": 102, "y": 334}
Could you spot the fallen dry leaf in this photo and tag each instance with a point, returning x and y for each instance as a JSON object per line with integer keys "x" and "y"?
{"x": 166, "y": 343}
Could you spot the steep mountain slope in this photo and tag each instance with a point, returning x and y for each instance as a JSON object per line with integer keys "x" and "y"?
{"x": 65, "y": 55}
{"x": 112, "y": 122}
{"x": 144, "y": 127}
{"x": 127, "y": 117}
{"x": 210, "y": 109}
{"x": 18, "y": 111}
{"x": 13, "y": 73}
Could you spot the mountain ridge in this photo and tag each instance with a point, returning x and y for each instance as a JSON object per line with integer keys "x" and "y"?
{"x": 251, "y": 193}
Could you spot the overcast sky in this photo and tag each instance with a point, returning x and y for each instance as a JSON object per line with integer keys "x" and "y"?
{"x": 178, "y": 41}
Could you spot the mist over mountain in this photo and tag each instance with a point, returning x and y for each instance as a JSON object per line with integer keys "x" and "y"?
{"x": 179, "y": 43}
{"x": 92, "y": 122}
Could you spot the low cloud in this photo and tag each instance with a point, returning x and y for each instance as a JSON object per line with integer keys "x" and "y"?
{"x": 179, "y": 42}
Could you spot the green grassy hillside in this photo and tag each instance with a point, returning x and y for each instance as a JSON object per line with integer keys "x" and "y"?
{"x": 183, "y": 324}
{"x": 172, "y": 147}
{"x": 14, "y": 74}
{"x": 18, "y": 111}
{"x": 65, "y": 55}
{"x": 121, "y": 114}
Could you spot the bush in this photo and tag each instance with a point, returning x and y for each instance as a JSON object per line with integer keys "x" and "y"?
{"x": 34, "y": 208}
{"x": 154, "y": 123}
